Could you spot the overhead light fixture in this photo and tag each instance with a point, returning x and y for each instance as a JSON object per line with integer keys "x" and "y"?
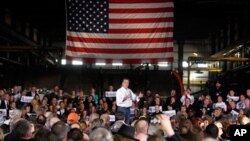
{"x": 100, "y": 64}
{"x": 195, "y": 54}
{"x": 56, "y": 60}
{"x": 145, "y": 64}
{"x": 116, "y": 64}
{"x": 202, "y": 65}
{"x": 163, "y": 64}
{"x": 185, "y": 64}
{"x": 77, "y": 62}
{"x": 63, "y": 61}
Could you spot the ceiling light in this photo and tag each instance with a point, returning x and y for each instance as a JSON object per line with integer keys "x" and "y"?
{"x": 145, "y": 64}
{"x": 77, "y": 62}
{"x": 185, "y": 64}
{"x": 116, "y": 64}
{"x": 195, "y": 54}
{"x": 63, "y": 61}
{"x": 163, "y": 64}
{"x": 100, "y": 64}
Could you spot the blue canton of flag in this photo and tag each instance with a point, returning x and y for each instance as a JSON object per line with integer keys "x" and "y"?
{"x": 87, "y": 16}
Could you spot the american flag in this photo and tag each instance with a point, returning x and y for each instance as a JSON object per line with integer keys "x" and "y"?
{"x": 123, "y": 31}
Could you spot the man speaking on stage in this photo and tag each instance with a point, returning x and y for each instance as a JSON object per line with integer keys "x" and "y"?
{"x": 124, "y": 99}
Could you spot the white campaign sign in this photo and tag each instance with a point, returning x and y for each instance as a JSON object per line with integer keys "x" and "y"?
{"x": 151, "y": 109}
{"x": 170, "y": 113}
{"x": 3, "y": 112}
{"x": 26, "y": 99}
{"x": 234, "y": 98}
{"x": 110, "y": 93}
{"x": 112, "y": 118}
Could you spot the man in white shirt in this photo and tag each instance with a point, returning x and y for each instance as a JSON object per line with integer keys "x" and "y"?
{"x": 124, "y": 99}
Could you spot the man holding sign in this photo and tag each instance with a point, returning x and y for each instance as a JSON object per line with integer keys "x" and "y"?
{"x": 124, "y": 99}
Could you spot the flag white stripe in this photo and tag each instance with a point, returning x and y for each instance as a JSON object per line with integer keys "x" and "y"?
{"x": 119, "y": 46}
{"x": 141, "y": 15}
{"x": 136, "y": 25}
{"x": 140, "y": 5}
{"x": 119, "y": 56}
{"x": 120, "y": 36}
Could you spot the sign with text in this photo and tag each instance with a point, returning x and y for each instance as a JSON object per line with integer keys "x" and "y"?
{"x": 110, "y": 93}
{"x": 112, "y": 118}
{"x": 3, "y": 112}
{"x": 26, "y": 99}
{"x": 170, "y": 113}
{"x": 220, "y": 105}
{"x": 151, "y": 109}
{"x": 234, "y": 98}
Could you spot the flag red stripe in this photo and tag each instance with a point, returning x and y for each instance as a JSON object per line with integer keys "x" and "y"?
{"x": 125, "y": 61}
{"x": 138, "y": 1}
{"x": 120, "y": 41}
{"x": 142, "y": 10}
{"x": 120, "y": 51}
{"x": 146, "y": 20}
{"x": 141, "y": 30}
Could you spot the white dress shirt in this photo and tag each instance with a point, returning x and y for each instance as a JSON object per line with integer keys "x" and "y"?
{"x": 121, "y": 94}
{"x": 33, "y": 94}
{"x": 17, "y": 96}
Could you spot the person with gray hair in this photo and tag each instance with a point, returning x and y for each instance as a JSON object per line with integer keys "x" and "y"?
{"x": 101, "y": 134}
{"x": 96, "y": 123}
{"x": 59, "y": 131}
{"x": 141, "y": 129}
{"x": 105, "y": 118}
{"x": 93, "y": 116}
{"x": 22, "y": 130}
{"x": 51, "y": 121}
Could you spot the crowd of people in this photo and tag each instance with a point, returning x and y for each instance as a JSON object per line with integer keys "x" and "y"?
{"x": 89, "y": 116}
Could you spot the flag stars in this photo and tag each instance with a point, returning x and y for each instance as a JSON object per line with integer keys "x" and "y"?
{"x": 88, "y": 16}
